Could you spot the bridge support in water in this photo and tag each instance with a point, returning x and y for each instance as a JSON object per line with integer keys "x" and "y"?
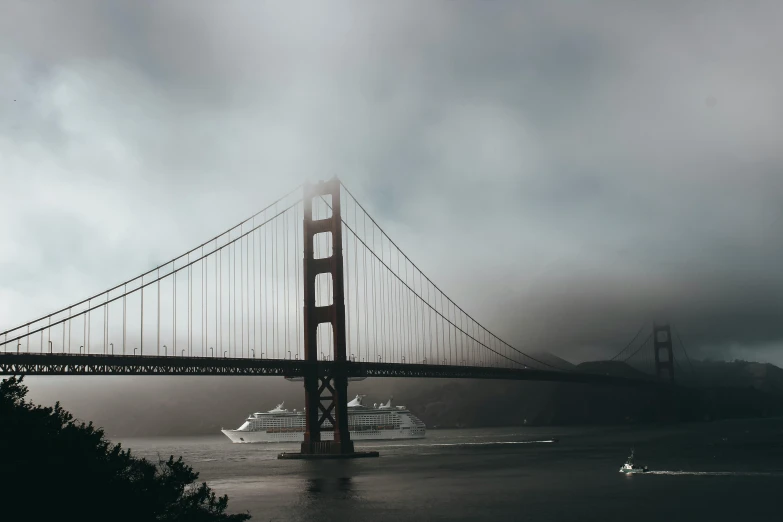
{"x": 664, "y": 355}
{"x": 326, "y": 388}
{"x": 664, "y": 371}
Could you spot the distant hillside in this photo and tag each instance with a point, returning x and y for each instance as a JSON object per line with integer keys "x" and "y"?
{"x": 730, "y": 374}
{"x": 614, "y": 369}
{"x": 553, "y": 361}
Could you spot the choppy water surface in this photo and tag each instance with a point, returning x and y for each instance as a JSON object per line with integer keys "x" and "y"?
{"x": 729, "y": 471}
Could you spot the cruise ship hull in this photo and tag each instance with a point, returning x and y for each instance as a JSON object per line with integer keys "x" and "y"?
{"x": 382, "y": 422}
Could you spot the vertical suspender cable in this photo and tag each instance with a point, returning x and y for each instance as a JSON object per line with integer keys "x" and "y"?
{"x": 356, "y": 285}
{"x": 429, "y": 322}
{"x": 204, "y": 304}
{"x": 260, "y": 295}
{"x": 255, "y": 315}
{"x": 285, "y": 279}
{"x": 124, "y": 321}
{"x": 141, "y": 341}
{"x": 443, "y": 329}
{"x": 423, "y": 327}
{"x": 190, "y": 309}
{"x": 391, "y": 293}
{"x": 174, "y": 306}
{"x": 230, "y": 246}
{"x": 398, "y": 305}
{"x": 220, "y": 311}
{"x": 347, "y": 289}
{"x": 266, "y": 293}
{"x": 298, "y": 259}
{"x": 374, "y": 295}
{"x": 217, "y": 256}
{"x": 385, "y": 278}
{"x": 416, "y": 317}
{"x": 366, "y": 304}
{"x": 408, "y": 310}
{"x": 234, "y": 303}
{"x": 247, "y": 287}
{"x": 89, "y": 327}
{"x": 275, "y": 289}
{"x": 241, "y": 301}
{"x": 158, "y": 285}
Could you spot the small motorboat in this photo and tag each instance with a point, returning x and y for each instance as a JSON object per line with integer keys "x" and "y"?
{"x": 630, "y": 467}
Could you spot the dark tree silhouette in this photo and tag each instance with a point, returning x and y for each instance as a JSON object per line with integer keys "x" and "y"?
{"x": 54, "y": 468}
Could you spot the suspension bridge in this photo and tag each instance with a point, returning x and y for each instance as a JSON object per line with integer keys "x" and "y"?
{"x": 310, "y": 288}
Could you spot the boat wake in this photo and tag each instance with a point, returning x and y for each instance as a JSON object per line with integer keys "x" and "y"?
{"x": 458, "y": 444}
{"x": 720, "y": 473}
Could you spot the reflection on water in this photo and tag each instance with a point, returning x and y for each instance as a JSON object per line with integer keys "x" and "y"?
{"x": 341, "y": 485}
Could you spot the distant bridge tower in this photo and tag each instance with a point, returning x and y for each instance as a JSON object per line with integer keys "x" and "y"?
{"x": 664, "y": 355}
{"x": 318, "y": 380}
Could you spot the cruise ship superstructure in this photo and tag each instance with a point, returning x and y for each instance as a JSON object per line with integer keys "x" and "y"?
{"x": 379, "y": 422}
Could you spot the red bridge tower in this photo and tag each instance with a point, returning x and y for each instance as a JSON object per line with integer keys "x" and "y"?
{"x": 326, "y": 386}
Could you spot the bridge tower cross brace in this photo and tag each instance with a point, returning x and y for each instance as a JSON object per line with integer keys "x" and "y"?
{"x": 322, "y": 384}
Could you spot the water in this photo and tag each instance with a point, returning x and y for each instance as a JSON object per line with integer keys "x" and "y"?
{"x": 720, "y": 471}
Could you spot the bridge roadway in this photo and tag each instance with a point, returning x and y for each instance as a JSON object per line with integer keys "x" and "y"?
{"x": 93, "y": 364}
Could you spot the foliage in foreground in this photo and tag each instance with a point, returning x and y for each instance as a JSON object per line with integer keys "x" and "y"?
{"x": 54, "y": 468}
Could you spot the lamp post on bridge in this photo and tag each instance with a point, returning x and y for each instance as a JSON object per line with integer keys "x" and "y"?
{"x": 112, "y": 348}
{"x": 17, "y": 348}
{"x": 254, "y": 353}
{"x": 165, "y": 350}
{"x": 50, "y": 346}
{"x": 134, "y": 350}
{"x": 183, "y": 353}
{"x": 225, "y": 352}
{"x": 211, "y": 352}
{"x": 80, "y": 349}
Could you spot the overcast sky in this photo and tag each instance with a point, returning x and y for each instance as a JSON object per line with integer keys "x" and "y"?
{"x": 566, "y": 171}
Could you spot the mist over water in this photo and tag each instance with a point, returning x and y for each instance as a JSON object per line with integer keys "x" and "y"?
{"x": 723, "y": 471}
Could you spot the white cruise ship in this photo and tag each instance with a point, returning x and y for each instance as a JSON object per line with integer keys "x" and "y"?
{"x": 379, "y": 422}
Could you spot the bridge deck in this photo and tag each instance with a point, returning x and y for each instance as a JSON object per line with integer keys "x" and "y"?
{"x": 81, "y": 364}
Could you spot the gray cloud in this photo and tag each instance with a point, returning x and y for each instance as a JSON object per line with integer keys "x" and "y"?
{"x": 564, "y": 172}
